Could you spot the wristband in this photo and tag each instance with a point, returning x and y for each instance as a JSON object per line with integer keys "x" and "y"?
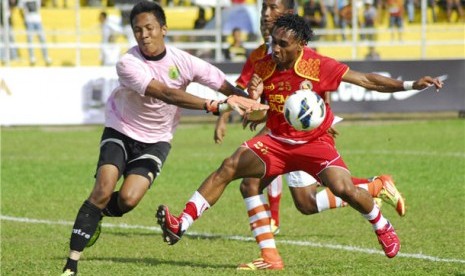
{"x": 208, "y": 106}
{"x": 408, "y": 85}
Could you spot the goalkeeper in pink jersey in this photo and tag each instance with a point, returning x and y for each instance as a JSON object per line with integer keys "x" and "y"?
{"x": 141, "y": 116}
{"x": 290, "y": 67}
{"x": 382, "y": 187}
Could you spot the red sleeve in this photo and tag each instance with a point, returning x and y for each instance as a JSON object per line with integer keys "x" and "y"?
{"x": 246, "y": 74}
{"x": 331, "y": 73}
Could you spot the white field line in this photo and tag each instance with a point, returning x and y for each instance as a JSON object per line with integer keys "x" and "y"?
{"x": 242, "y": 238}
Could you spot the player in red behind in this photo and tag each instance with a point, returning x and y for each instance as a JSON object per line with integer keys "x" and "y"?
{"x": 290, "y": 67}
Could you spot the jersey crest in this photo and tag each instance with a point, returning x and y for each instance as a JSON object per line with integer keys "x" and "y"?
{"x": 305, "y": 66}
{"x": 173, "y": 72}
{"x": 265, "y": 67}
{"x": 308, "y": 68}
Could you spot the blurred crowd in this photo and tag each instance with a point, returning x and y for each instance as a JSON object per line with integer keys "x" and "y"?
{"x": 323, "y": 16}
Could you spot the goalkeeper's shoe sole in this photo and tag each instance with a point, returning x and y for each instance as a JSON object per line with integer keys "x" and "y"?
{"x": 170, "y": 225}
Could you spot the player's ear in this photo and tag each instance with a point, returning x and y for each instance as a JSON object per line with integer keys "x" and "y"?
{"x": 164, "y": 30}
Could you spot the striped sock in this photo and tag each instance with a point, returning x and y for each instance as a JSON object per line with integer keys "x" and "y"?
{"x": 376, "y": 218}
{"x": 193, "y": 210}
{"x": 259, "y": 219}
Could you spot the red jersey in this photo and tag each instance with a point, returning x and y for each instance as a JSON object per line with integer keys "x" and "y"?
{"x": 319, "y": 73}
{"x": 248, "y": 69}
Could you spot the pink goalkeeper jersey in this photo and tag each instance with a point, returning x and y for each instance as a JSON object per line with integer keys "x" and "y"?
{"x": 144, "y": 118}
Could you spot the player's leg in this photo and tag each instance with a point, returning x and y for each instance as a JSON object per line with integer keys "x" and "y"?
{"x": 243, "y": 163}
{"x": 338, "y": 180}
{"x": 274, "y": 191}
{"x": 259, "y": 219}
{"x": 381, "y": 188}
{"x": 303, "y": 189}
{"x": 89, "y": 214}
{"x": 140, "y": 173}
{"x": 110, "y": 164}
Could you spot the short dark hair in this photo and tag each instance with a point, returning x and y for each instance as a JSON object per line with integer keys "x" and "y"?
{"x": 150, "y": 7}
{"x": 296, "y": 24}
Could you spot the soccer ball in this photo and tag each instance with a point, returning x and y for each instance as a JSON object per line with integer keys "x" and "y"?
{"x": 304, "y": 110}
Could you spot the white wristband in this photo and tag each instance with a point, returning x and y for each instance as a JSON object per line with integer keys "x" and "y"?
{"x": 408, "y": 85}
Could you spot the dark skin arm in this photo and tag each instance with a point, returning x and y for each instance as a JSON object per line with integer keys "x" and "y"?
{"x": 376, "y": 82}
{"x": 182, "y": 99}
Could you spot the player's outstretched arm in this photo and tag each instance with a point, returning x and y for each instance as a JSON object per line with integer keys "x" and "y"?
{"x": 377, "y": 82}
{"x": 183, "y": 99}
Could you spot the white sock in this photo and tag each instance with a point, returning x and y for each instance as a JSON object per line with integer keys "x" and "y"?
{"x": 200, "y": 203}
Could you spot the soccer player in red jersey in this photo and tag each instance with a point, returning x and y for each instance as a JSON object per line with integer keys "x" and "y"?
{"x": 291, "y": 66}
{"x": 380, "y": 187}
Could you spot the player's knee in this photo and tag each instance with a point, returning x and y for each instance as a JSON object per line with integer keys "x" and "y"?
{"x": 343, "y": 189}
{"x": 250, "y": 187}
{"x": 227, "y": 169}
{"x": 128, "y": 202}
{"x": 306, "y": 209}
{"x": 100, "y": 196}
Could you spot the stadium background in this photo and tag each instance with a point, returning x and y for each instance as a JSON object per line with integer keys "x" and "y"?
{"x": 46, "y": 172}
{"x": 73, "y": 34}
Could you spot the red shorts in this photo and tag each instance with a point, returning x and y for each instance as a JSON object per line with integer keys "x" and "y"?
{"x": 280, "y": 157}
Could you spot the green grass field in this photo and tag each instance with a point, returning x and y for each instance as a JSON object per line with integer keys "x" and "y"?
{"x": 47, "y": 172}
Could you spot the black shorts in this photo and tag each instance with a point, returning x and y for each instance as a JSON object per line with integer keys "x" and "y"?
{"x": 131, "y": 156}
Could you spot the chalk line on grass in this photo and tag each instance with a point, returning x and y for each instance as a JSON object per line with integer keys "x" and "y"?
{"x": 242, "y": 238}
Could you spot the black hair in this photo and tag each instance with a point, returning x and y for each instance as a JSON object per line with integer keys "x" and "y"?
{"x": 296, "y": 24}
{"x": 150, "y": 7}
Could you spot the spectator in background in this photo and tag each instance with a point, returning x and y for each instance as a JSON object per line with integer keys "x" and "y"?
{"x": 110, "y": 51}
{"x": 199, "y": 24}
{"x": 236, "y": 51}
{"x": 13, "y": 50}
{"x": 30, "y": 10}
{"x": 330, "y": 6}
{"x": 450, "y": 6}
{"x": 396, "y": 14}
{"x": 315, "y": 15}
{"x": 369, "y": 19}
{"x": 201, "y": 20}
{"x": 372, "y": 54}
{"x": 410, "y": 7}
{"x": 345, "y": 16}
{"x": 432, "y": 5}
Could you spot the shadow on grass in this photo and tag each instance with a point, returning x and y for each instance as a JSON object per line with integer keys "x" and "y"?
{"x": 157, "y": 262}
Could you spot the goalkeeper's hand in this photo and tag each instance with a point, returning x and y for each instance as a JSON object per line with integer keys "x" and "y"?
{"x": 240, "y": 104}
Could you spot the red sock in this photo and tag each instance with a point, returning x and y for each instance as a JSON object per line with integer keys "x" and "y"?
{"x": 357, "y": 180}
{"x": 191, "y": 210}
{"x": 273, "y": 202}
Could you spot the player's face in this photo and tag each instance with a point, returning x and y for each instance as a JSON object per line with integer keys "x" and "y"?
{"x": 286, "y": 49}
{"x": 272, "y": 10}
{"x": 149, "y": 34}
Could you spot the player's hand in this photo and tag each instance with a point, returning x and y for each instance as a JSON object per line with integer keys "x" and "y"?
{"x": 252, "y": 124}
{"x": 426, "y": 82}
{"x": 255, "y": 87}
{"x": 220, "y": 128}
{"x": 333, "y": 132}
{"x": 240, "y": 104}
